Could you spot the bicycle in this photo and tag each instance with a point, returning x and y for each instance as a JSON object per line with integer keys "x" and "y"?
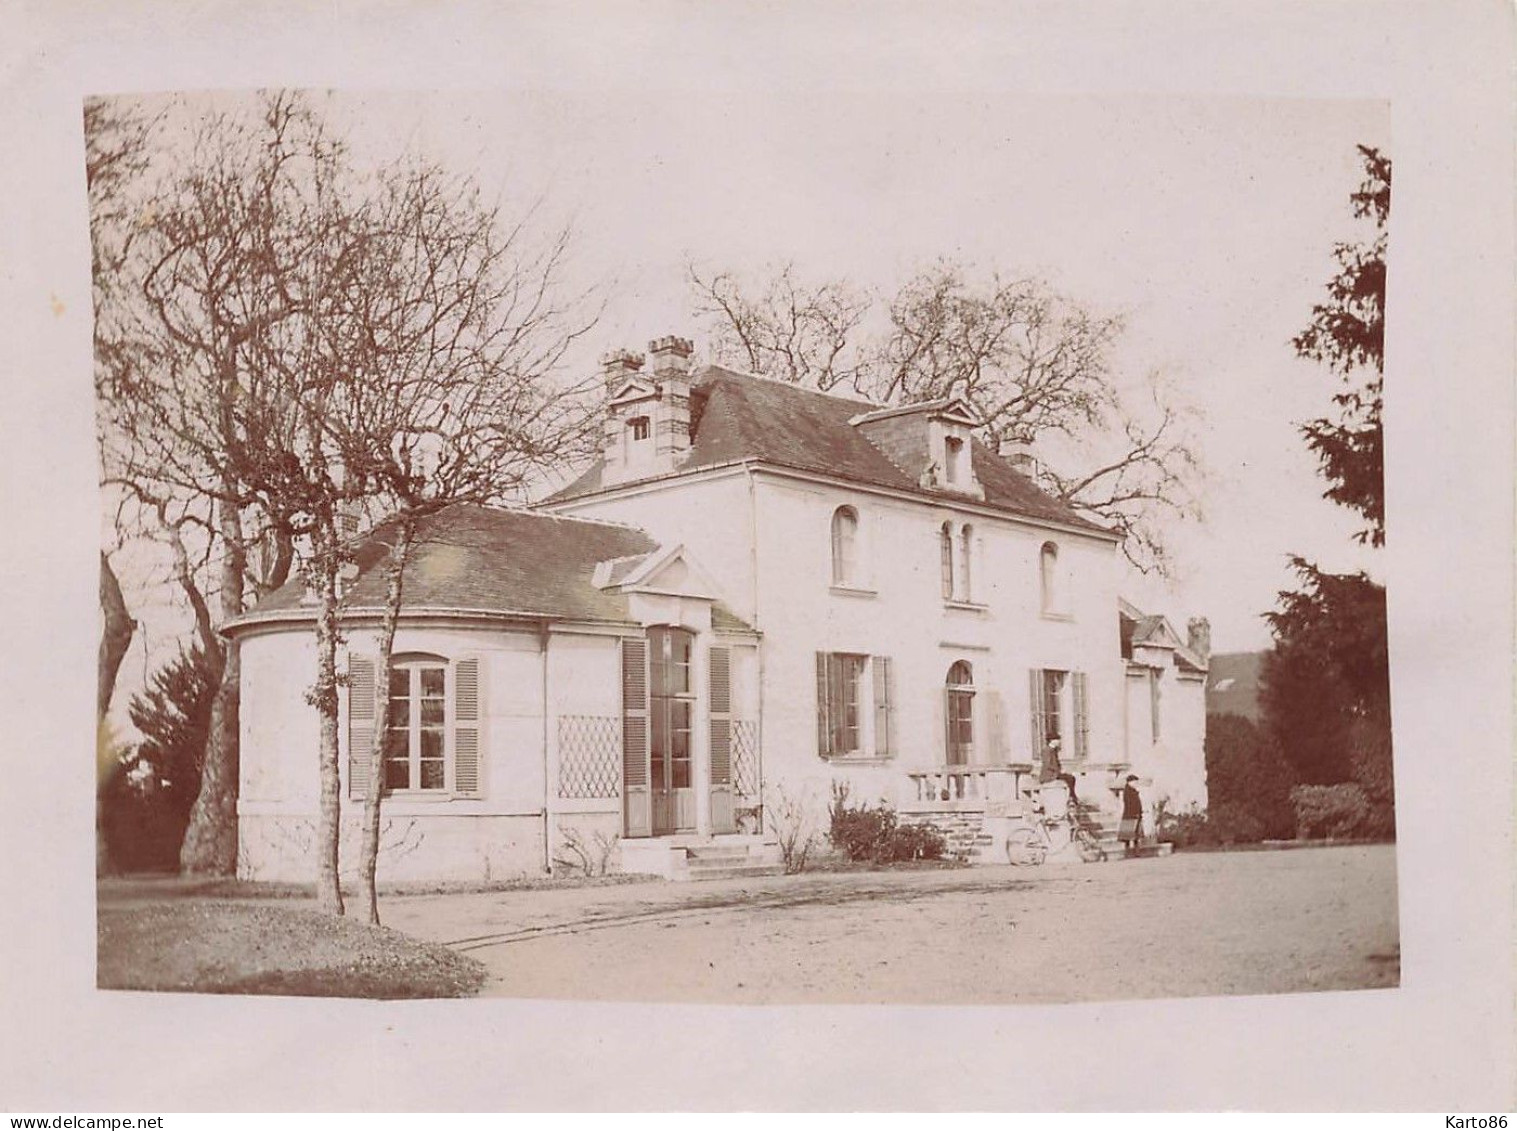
{"x": 1031, "y": 843}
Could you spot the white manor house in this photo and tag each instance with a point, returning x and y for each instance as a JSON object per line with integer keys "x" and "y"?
{"x": 756, "y": 591}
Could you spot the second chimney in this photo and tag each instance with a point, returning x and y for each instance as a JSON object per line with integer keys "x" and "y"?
{"x": 1198, "y": 633}
{"x": 671, "y": 370}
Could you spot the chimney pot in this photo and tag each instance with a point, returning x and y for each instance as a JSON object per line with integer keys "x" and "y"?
{"x": 1198, "y": 634}
{"x": 619, "y": 365}
{"x": 671, "y": 354}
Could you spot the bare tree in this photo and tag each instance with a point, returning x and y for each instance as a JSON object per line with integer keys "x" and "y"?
{"x": 312, "y": 340}
{"x": 117, "y": 144}
{"x": 451, "y": 339}
{"x": 224, "y": 258}
{"x": 806, "y": 335}
{"x": 1034, "y": 364}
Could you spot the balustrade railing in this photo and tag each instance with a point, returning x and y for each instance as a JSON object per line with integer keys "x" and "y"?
{"x": 970, "y": 785}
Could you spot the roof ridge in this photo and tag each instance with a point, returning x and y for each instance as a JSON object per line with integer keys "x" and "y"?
{"x": 713, "y": 371}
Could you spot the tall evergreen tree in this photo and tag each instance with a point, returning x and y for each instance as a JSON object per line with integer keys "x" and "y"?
{"x": 1347, "y": 333}
{"x": 146, "y": 803}
{"x": 1326, "y": 691}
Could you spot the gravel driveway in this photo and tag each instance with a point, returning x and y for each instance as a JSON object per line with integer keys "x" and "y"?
{"x": 1214, "y": 923}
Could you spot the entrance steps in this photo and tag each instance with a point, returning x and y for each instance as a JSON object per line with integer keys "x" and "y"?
{"x": 989, "y": 848}
{"x": 688, "y": 858}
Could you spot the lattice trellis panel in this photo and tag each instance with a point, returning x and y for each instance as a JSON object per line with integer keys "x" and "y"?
{"x": 745, "y": 758}
{"x": 589, "y": 756}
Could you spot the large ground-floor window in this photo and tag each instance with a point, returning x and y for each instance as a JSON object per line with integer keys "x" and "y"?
{"x": 1060, "y": 713}
{"x": 959, "y": 694}
{"x": 415, "y": 742}
{"x": 853, "y": 701}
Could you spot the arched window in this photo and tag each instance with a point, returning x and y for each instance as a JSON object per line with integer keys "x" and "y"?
{"x": 945, "y": 547}
{"x": 845, "y": 546}
{"x": 966, "y": 542}
{"x": 959, "y": 690}
{"x": 1048, "y": 566}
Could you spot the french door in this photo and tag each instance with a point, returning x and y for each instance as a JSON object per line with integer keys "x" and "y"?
{"x": 658, "y": 705}
{"x": 671, "y": 709}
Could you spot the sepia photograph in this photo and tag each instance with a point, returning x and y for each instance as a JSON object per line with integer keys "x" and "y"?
{"x": 949, "y": 599}
{"x": 694, "y": 561}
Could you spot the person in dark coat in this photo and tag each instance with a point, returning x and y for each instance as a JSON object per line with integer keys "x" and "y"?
{"x": 1053, "y": 769}
{"x": 1130, "y": 832}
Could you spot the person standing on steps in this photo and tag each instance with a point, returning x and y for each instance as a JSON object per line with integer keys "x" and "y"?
{"x": 1130, "y": 832}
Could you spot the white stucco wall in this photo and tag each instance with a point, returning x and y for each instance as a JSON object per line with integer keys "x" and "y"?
{"x": 1173, "y": 768}
{"x": 428, "y": 837}
{"x": 783, "y": 585}
{"x": 901, "y": 614}
{"x": 710, "y": 515}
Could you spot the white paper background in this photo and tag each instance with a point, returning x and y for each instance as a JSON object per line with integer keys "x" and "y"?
{"x": 1444, "y": 1040}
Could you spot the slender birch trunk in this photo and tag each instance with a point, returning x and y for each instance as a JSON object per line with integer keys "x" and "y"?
{"x": 324, "y": 696}
{"x": 368, "y": 865}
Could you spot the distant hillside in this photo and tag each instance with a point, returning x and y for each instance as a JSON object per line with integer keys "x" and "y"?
{"x": 1232, "y": 684}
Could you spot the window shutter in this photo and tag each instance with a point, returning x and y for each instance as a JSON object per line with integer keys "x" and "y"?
{"x": 823, "y": 713}
{"x": 721, "y": 715}
{"x": 947, "y": 727}
{"x": 945, "y": 552}
{"x": 882, "y": 706}
{"x": 720, "y": 710}
{"x": 1154, "y": 694}
{"x": 635, "y": 771}
{"x": 467, "y": 715}
{"x": 1035, "y": 713}
{"x": 1082, "y": 716}
{"x": 360, "y": 724}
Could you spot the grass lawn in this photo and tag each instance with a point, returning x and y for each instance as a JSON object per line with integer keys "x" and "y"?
{"x": 243, "y": 948}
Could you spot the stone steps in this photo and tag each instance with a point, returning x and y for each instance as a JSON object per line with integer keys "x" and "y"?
{"x": 695, "y": 862}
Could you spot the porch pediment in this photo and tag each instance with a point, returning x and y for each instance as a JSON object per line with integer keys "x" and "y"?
{"x": 669, "y": 571}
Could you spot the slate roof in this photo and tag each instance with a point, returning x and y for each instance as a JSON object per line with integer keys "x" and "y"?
{"x": 736, "y": 417}
{"x": 1136, "y": 627}
{"x": 494, "y": 560}
{"x": 1234, "y": 683}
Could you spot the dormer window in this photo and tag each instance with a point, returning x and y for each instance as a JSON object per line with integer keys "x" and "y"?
{"x": 638, "y": 428}
{"x": 953, "y": 460}
{"x": 950, "y": 427}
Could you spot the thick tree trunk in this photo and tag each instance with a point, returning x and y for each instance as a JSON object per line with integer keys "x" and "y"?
{"x": 117, "y": 628}
{"x": 210, "y": 841}
{"x": 368, "y": 865}
{"x": 329, "y": 830}
{"x": 115, "y": 635}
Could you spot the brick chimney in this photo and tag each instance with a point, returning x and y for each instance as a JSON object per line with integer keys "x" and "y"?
{"x": 618, "y": 367}
{"x": 671, "y": 371}
{"x": 1198, "y": 636}
{"x": 647, "y": 431}
{"x": 1021, "y": 457}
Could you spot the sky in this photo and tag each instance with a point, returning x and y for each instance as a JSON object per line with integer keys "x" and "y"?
{"x": 1207, "y": 222}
